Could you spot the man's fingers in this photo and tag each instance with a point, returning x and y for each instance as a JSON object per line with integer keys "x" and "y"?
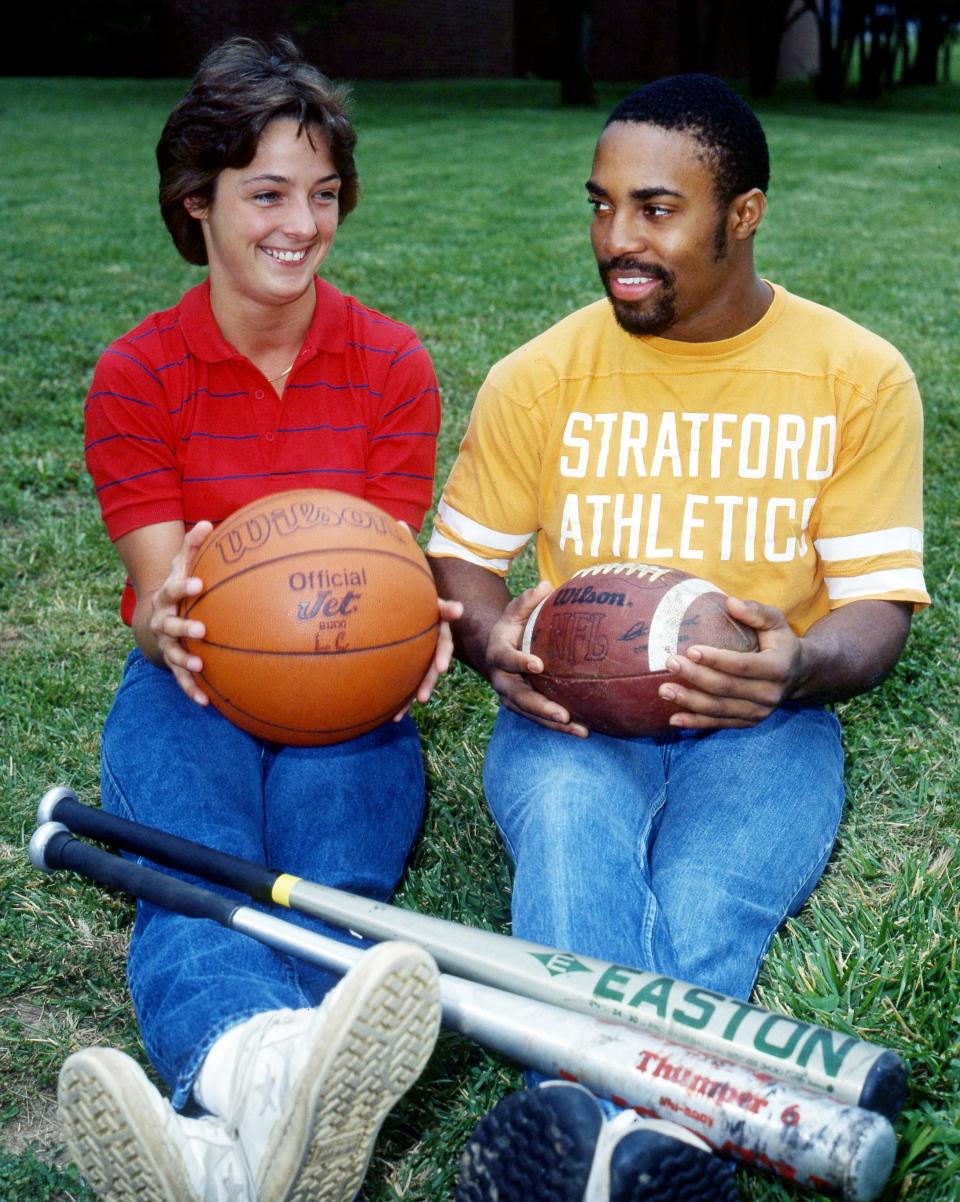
{"x": 752, "y": 665}
{"x": 710, "y": 692}
{"x": 523, "y": 605}
{"x": 724, "y": 702}
{"x": 178, "y": 657}
{"x": 183, "y": 561}
{"x": 691, "y": 721}
{"x": 167, "y": 599}
{"x": 519, "y": 697}
{"x": 567, "y": 728}
{"x": 511, "y": 659}
{"x": 428, "y": 684}
{"x": 756, "y": 615}
{"x": 725, "y": 675}
{"x": 196, "y": 535}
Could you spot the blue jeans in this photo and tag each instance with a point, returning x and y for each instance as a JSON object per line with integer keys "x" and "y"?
{"x": 344, "y": 815}
{"x": 680, "y": 856}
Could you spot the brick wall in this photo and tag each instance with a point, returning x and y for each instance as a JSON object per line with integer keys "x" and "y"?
{"x": 411, "y": 39}
{"x": 632, "y": 40}
{"x": 356, "y": 39}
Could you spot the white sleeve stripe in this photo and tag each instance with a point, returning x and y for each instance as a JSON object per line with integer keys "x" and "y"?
{"x": 876, "y": 542}
{"x": 439, "y": 544}
{"x": 896, "y": 580}
{"x": 473, "y": 532}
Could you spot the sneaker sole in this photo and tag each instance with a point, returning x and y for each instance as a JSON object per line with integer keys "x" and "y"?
{"x": 376, "y": 1041}
{"x": 112, "y": 1133}
{"x": 648, "y": 1166}
{"x": 534, "y": 1146}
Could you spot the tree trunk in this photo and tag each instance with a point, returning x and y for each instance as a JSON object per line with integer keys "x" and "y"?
{"x": 768, "y": 21}
{"x": 573, "y": 28}
{"x": 933, "y": 30}
{"x": 831, "y": 82}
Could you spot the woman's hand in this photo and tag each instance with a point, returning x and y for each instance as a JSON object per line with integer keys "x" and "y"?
{"x": 449, "y": 612}
{"x": 166, "y": 625}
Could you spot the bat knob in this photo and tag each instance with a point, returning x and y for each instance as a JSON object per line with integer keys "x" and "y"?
{"x": 51, "y": 799}
{"x": 40, "y": 841}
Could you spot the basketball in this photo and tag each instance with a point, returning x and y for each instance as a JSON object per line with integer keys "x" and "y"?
{"x": 604, "y": 637}
{"x": 320, "y": 614}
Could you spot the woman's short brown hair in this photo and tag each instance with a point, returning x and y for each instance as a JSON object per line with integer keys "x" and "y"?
{"x": 240, "y": 87}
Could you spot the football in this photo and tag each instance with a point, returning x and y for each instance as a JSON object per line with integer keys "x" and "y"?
{"x": 605, "y": 635}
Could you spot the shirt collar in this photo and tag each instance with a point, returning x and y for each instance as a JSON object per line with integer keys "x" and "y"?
{"x": 327, "y": 332}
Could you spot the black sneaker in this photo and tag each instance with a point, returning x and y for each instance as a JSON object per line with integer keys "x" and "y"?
{"x": 552, "y": 1144}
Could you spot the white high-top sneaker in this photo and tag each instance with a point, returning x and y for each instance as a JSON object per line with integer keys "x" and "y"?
{"x": 306, "y": 1091}
{"x": 131, "y": 1145}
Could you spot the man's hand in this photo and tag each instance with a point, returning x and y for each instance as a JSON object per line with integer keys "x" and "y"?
{"x": 490, "y": 635}
{"x": 506, "y": 661}
{"x": 849, "y": 651}
{"x": 734, "y": 688}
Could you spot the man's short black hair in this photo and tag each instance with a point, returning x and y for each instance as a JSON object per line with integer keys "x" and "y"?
{"x": 724, "y": 124}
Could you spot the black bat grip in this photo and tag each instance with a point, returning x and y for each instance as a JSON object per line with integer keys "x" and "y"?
{"x": 232, "y": 872}
{"x": 62, "y": 850}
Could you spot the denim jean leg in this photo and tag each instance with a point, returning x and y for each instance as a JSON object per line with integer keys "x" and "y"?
{"x": 577, "y": 817}
{"x": 751, "y": 819}
{"x": 181, "y": 768}
{"x": 346, "y": 816}
{"x": 681, "y": 856}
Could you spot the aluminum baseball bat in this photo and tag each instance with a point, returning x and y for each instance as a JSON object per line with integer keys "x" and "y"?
{"x": 842, "y": 1066}
{"x": 800, "y": 1135}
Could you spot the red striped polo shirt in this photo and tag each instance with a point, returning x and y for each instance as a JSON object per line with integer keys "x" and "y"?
{"x": 181, "y": 426}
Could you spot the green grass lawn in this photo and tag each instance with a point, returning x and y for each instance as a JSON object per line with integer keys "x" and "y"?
{"x": 473, "y": 227}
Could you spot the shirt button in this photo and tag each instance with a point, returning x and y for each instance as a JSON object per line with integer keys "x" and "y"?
{"x": 259, "y": 394}
{"x": 269, "y": 436}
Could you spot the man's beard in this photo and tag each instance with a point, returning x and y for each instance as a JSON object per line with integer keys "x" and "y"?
{"x": 664, "y": 313}
{"x": 629, "y": 316}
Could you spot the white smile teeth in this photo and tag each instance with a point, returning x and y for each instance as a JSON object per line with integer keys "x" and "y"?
{"x": 636, "y": 279}
{"x": 286, "y": 256}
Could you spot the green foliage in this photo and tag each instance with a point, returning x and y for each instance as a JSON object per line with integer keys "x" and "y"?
{"x": 472, "y": 226}
{"x": 879, "y": 44}
{"x": 28, "y": 1176}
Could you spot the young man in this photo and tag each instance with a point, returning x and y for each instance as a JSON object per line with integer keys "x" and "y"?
{"x": 699, "y": 418}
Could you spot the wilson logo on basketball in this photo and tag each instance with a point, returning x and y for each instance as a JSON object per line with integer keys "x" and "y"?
{"x": 283, "y": 521}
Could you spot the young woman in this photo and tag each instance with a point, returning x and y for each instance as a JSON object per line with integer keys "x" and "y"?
{"x": 263, "y": 377}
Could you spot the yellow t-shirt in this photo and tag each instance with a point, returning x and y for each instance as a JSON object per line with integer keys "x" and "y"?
{"x": 783, "y": 465}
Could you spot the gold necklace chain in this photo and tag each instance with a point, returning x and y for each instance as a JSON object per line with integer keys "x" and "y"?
{"x": 286, "y": 370}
